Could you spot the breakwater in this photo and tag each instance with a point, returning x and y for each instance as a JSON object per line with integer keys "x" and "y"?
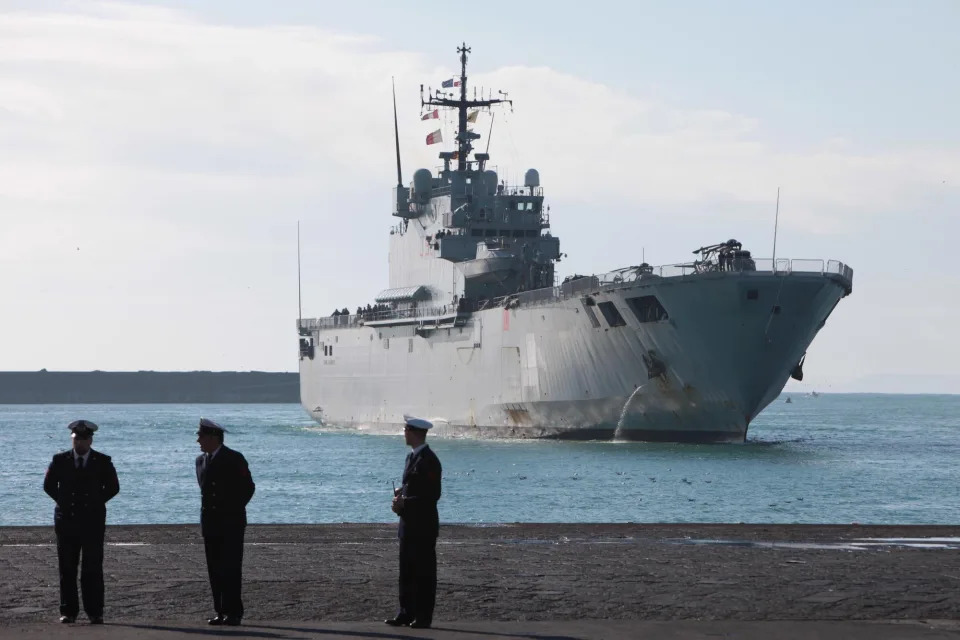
{"x": 139, "y": 387}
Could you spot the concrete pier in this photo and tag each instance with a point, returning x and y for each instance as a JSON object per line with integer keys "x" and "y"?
{"x": 522, "y": 580}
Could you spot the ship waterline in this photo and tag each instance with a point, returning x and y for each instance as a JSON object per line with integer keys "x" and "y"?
{"x": 475, "y": 334}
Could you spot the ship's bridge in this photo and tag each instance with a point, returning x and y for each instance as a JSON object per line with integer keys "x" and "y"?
{"x": 475, "y": 236}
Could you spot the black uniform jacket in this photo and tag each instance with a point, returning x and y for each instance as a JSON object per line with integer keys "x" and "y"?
{"x": 226, "y": 487}
{"x": 81, "y": 494}
{"x": 421, "y": 490}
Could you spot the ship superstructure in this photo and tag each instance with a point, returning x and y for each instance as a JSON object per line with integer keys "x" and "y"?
{"x": 474, "y": 333}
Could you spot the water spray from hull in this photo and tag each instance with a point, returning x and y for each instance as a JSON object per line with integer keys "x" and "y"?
{"x": 618, "y": 432}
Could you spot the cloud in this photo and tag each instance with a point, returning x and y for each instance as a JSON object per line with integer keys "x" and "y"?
{"x": 166, "y": 147}
{"x": 113, "y": 96}
{"x": 616, "y": 147}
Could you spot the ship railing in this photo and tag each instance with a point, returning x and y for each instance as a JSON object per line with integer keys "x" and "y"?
{"x": 418, "y": 313}
{"x": 580, "y": 285}
{"x": 481, "y": 189}
{"x": 805, "y": 265}
{"x": 306, "y": 325}
{"x": 522, "y": 191}
{"x": 744, "y": 265}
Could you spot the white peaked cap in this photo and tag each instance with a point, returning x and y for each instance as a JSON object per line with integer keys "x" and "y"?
{"x": 417, "y": 423}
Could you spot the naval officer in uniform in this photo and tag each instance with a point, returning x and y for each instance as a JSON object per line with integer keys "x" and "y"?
{"x": 226, "y": 487}
{"x": 81, "y": 481}
{"x": 416, "y": 504}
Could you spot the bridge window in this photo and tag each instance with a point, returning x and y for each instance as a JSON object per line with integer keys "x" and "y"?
{"x": 489, "y": 233}
{"x": 611, "y": 314}
{"x": 532, "y": 233}
{"x": 518, "y": 233}
{"x": 647, "y": 309}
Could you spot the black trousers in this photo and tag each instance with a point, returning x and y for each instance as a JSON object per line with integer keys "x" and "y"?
{"x": 418, "y": 577}
{"x": 225, "y": 568}
{"x": 72, "y": 543}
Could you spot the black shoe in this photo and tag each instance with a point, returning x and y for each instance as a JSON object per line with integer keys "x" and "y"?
{"x": 68, "y": 619}
{"x": 399, "y": 621}
{"x": 215, "y": 620}
{"x": 420, "y": 624}
{"x": 96, "y": 620}
{"x": 231, "y": 621}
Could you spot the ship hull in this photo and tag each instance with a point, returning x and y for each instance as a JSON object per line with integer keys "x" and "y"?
{"x": 592, "y": 365}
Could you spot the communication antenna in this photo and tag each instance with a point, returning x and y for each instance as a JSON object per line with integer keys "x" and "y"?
{"x": 299, "y": 296}
{"x": 464, "y": 136}
{"x": 776, "y": 221}
{"x": 396, "y": 132}
{"x": 490, "y": 133}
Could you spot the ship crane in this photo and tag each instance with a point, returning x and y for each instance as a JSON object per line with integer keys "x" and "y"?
{"x": 728, "y": 255}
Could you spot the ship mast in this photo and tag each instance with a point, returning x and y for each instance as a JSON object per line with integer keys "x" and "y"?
{"x": 462, "y": 105}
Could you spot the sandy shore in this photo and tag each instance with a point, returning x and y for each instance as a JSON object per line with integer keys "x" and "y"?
{"x": 523, "y": 572}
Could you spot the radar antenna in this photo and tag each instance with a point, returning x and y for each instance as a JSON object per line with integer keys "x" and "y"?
{"x": 438, "y": 98}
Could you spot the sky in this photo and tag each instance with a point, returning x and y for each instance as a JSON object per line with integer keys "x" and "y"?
{"x": 159, "y": 156}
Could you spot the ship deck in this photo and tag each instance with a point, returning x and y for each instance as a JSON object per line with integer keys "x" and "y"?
{"x": 456, "y": 315}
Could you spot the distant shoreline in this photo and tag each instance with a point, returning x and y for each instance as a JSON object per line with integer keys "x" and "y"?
{"x": 200, "y": 387}
{"x": 148, "y": 387}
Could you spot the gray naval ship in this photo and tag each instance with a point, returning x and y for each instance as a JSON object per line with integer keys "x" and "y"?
{"x": 475, "y": 334}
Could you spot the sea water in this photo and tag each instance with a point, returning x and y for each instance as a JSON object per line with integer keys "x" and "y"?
{"x": 833, "y": 458}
